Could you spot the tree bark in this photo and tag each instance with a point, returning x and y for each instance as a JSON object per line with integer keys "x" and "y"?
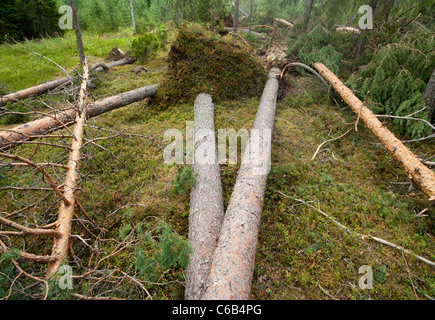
{"x": 206, "y": 201}
{"x": 233, "y": 262}
{"x": 132, "y": 17}
{"x": 429, "y": 97}
{"x": 78, "y": 32}
{"x": 48, "y": 86}
{"x": 13, "y": 137}
{"x": 421, "y": 175}
{"x": 66, "y": 212}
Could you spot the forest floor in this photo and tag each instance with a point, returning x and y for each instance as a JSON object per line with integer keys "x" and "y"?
{"x": 301, "y": 254}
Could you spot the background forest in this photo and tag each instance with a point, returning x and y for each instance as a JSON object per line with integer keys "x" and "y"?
{"x": 130, "y": 231}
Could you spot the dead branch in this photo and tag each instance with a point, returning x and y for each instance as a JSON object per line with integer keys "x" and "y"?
{"x": 27, "y": 231}
{"x": 309, "y": 69}
{"x": 420, "y": 174}
{"x": 362, "y": 236}
{"x": 325, "y": 142}
{"x": 232, "y": 267}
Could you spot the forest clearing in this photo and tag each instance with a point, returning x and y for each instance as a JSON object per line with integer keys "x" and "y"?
{"x": 210, "y": 150}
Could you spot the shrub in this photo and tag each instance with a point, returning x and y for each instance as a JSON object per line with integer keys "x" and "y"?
{"x": 145, "y": 46}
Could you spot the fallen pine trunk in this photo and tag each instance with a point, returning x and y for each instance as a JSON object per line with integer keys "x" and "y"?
{"x": 284, "y": 22}
{"x": 66, "y": 211}
{"x": 48, "y": 86}
{"x": 233, "y": 261}
{"x": 421, "y": 175}
{"x": 206, "y": 201}
{"x": 13, "y": 137}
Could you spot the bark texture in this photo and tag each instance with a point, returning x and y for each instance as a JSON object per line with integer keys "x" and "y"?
{"x": 66, "y": 211}
{"x": 206, "y": 201}
{"x": 233, "y": 261}
{"x": 421, "y": 175}
{"x": 429, "y": 97}
{"x": 13, "y": 137}
{"x": 132, "y": 17}
{"x": 48, "y": 86}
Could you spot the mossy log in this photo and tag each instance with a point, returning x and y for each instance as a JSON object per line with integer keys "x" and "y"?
{"x": 421, "y": 175}
{"x": 206, "y": 201}
{"x": 13, "y": 137}
{"x": 232, "y": 268}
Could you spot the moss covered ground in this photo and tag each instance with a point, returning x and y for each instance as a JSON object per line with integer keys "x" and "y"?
{"x": 129, "y": 195}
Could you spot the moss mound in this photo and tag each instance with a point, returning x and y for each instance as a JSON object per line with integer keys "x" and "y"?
{"x": 204, "y": 62}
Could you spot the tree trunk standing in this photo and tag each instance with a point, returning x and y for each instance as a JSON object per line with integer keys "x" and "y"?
{"x": 429, "y": 97}
{"x": 233, "y": 262}
{"x": 132, "y": 17}
{"x": 206, "y": 201}
{"x": 236, "y": 16}
{"x": 78, "y": 32}
{"x": 310, "y": 7}
{"x": 422, "y": 176}
{"x": 251, "y": 10}
{"x": 25, "y": 132}
{"x": 66, "y": 212}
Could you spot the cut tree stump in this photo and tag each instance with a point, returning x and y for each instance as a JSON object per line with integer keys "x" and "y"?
{"x": 232, "y": 268}
{"x": 13, "y": 137}
{"x": 421, "y": 175}
{"x": 206, "y": 200}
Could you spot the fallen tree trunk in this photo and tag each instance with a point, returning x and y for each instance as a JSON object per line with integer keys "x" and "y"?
{"x": 244, "y": 30}
{"x": 233, "y": 261}
{"x": 206, "y": 201}
{"x": 49, "y": 86}
{"x": 66, "y": 211}
{"x": 421, "y": 175}
{"x": 13, "y": 137}
{"x": 98, "y": 67}
{"x": 37, "y": 90}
